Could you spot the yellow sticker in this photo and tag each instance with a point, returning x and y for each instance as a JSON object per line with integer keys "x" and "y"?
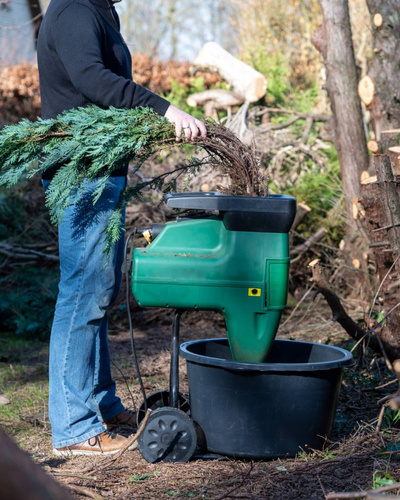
{"x": 254, "y": 292}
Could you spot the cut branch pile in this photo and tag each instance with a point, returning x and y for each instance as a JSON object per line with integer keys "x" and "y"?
{"x": 290, "y": 151}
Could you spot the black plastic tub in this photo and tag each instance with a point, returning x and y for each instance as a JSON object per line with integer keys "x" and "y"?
{"x": 264, "y": 410}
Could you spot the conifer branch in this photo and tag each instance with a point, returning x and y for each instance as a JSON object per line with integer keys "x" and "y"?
{"x": 90, "y": 143}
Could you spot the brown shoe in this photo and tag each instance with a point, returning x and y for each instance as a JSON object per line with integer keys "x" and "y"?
{"x": 126, "y": 418}
{"x": 105, "y": 443}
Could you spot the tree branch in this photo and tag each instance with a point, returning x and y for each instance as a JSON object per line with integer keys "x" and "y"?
{"x": 340, "y": 315}
{"x": 21, "y": 253}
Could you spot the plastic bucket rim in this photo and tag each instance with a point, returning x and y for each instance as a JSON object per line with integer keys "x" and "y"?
{"x": 345, "y": 361}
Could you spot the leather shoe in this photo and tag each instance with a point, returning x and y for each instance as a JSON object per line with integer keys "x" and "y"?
{"x": 126, "y": 418}
{"x": 105, "y": 443}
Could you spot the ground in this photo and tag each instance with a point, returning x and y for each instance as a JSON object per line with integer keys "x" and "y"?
{"x": 360, "y": 454}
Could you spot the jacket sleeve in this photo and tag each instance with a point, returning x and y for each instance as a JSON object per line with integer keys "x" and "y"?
{"x": 77, "y": 40}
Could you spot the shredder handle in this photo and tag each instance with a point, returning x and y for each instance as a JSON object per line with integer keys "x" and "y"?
{"x": 273, "y": 213}
{"x": 274, "y": 203}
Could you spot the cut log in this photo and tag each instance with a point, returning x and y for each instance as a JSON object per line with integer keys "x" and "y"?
{"x": 222, "y": 98}
{"x": 245, "y": 81}
{"x": 366, "y": 90}
{"x": 214, "y": 100}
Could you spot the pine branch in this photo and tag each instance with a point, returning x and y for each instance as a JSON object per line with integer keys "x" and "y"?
{"x": 91, "y": 143}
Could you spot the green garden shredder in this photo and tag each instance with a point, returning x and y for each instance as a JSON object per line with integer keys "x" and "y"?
{"x": 224, "y": 253}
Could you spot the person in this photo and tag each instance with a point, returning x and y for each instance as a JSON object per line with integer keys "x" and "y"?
{"x": 83, "y": 60}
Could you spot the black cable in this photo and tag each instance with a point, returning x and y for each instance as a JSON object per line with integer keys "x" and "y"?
{"x": 127, "y": 267}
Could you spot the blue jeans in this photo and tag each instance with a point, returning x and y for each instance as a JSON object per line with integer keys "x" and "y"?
{"x": 81, "y": 388}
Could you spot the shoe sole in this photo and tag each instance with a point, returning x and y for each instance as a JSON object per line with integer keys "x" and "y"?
{"x": 69, "y": 453}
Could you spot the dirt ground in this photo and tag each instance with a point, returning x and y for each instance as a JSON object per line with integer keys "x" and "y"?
{"x": 353, "y": 459}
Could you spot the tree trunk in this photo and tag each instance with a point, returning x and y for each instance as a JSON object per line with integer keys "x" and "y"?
{"x": 334, "y": 40}
{"x": 380, "y": 202}
{"x": 382, "y": 79}
{"x": 22, "y": 478}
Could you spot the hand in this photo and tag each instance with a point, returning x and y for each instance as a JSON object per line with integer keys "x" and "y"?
{"x": 191, "y": 127}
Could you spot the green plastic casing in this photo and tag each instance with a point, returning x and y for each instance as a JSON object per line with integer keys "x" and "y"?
{"x": 200, "y": 264}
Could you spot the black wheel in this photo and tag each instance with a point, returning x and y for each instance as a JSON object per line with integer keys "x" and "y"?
{"x": 160, "y": 399}
{"x": 169, "y": 436}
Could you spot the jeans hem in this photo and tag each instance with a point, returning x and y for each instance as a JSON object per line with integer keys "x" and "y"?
{"x": 69, "y": 442}
{"x": 120, "y": 407}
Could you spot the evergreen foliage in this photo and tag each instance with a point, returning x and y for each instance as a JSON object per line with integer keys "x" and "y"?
{"x": 91, "y": 143}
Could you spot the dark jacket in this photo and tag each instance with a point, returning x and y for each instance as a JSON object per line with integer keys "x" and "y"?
{"x": 83, "y": 60}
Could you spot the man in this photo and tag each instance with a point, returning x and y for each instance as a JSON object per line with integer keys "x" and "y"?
{"x": 83, "y": 60}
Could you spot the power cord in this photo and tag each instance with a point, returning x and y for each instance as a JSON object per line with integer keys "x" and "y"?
{"x": 127, "y": 268}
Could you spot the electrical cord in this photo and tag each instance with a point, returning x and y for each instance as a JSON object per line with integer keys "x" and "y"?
{"x": 127, "y": 267}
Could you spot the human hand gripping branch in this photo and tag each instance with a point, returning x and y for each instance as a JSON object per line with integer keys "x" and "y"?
{"x": 191, "y": 127}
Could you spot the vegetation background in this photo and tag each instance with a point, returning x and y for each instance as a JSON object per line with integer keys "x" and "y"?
{"x": 272, "y": 36}
{"x": 275, "y": 37}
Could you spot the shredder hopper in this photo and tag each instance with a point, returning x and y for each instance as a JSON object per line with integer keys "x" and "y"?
{"x": 227, "y": 253}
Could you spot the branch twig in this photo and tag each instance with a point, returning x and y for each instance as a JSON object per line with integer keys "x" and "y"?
{"x": 19, "y": 253}
{"x": 367, "y": 495}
